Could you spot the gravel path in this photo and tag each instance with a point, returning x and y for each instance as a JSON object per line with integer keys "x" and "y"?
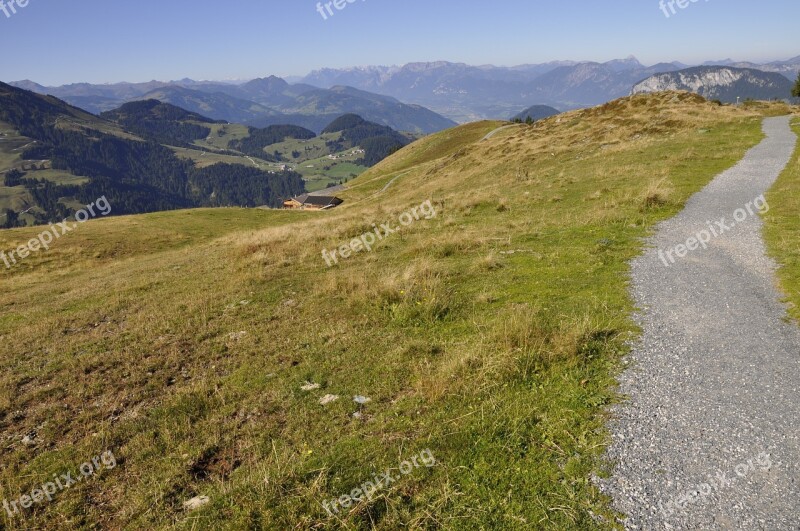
{"x": 503, "y": 128}
{"x": 710, "y": 438}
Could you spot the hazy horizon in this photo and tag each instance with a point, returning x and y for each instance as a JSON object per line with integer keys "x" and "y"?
{"x": 292, "y": 77}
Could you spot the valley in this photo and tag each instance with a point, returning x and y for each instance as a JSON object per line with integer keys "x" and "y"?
{"x": 434, "y": 95}
{"x": 48, "y": 173}
{"x": 313, "y": 160}
{"x": 259, "y": 102}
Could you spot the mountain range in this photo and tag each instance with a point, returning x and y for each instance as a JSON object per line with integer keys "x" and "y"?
{"x": 465, "y": 93}
{"x": 535, "y": 112}
{"x": 59, "y": 156}
{"x": 416, "y": 97}
{"x": 148, "y": 155}
{"x": 259, "y": 102}
{"x": 726, "y": 84}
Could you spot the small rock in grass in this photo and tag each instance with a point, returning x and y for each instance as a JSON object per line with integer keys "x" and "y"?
{"x": 361, "y": 399}
{"x": 196, "y": 503}
{"x": 327, "y": 399}
{"x": 308, "y": 386}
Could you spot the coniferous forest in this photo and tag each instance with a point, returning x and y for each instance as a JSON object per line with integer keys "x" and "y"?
{"x": 135, "y": 176}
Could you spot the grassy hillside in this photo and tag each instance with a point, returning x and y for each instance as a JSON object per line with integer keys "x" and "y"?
{"x": 437, "y": 146}
{"x": 782, "y": 229}
{"x": 136, "y": 174}
{"x": 489, "y": 334}
{"x": 11, "y": 143}
{"x": 310, "y": 158}
{"x": 18, "y": 198}
{"x": 203, "y": 159}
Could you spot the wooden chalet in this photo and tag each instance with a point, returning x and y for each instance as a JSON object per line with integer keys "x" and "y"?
{"x": 312, "y": 202}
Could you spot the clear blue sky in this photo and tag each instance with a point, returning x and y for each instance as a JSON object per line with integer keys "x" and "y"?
{"x": 56, "y": 41}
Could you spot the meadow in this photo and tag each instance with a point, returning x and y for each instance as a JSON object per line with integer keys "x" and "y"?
{"x": 217, "y": 355}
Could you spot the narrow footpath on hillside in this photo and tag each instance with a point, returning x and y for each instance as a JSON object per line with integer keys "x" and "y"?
{"x": 710, "y": 435}
{"x": 502, "y": 128}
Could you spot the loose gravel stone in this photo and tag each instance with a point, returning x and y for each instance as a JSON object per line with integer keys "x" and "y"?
{"x": 327, "y": 399}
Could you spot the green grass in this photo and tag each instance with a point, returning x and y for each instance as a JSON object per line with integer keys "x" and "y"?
{"x": 127, "y": 336}
{"x": 57, "y": 176}
{"x": 207, "y": 158}
{"x": 116, "y": 238}
{"x": 437, "y": 146}
{"x": 440, "y": 145}
{"x": 327, "y": 172}
{"x": 10, "y": 142}
{"x": 222, "y": 134}
{"x": 345, "y": 170}
{"x": 315, "y": 148}
{"x": 12, "y": 197}
{"x": 17, "y": 198}
{"x": 782, "y": 230}
{"x": 314, "y": 152}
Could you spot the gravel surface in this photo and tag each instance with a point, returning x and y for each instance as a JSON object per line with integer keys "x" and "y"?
{"x": 710, "y": 438}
